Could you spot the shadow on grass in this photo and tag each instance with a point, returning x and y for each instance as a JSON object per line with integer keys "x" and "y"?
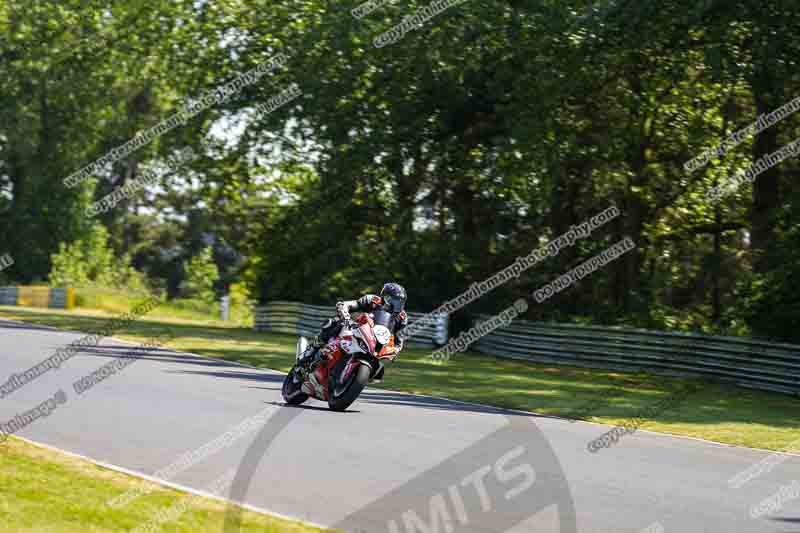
{"x": 88, "y": 324}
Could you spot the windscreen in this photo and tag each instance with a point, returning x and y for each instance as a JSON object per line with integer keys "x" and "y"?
{"x": 395, "y": 303}
{"x": 382, "y": 318}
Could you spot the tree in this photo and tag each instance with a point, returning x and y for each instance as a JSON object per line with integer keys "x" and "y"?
{"x": 92, "y": 262}
{"x": 201, "y": 275}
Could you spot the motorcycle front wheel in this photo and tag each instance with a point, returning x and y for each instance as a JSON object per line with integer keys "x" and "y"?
{"x": 291, "y": 390}
{"x": 341, "y": 395}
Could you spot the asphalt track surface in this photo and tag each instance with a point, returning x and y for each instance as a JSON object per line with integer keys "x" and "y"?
{"x": 326, "y": 466}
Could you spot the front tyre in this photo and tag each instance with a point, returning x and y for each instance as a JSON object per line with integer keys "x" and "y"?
{"x": 341, "y": 395}
{"x": 292, "y": 394}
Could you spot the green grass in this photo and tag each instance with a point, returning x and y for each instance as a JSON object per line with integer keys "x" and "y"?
{"x": 98, "y": 299}
{"x": 42, "y": 491}
{"x": 721, "y": 413}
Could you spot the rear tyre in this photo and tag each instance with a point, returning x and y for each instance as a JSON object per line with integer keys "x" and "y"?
{"x": 342, "y": 395}
{"x": 292, "y": 394}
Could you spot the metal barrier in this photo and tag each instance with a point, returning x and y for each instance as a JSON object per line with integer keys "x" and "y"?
{"x": 34, "y": 296}
{"x": 8, "y": 295}
{"x": 58, "y": 298}
{"x": 38, "y": 297}
{"x": 745, "y": 362}
{"x": 301, "y": 319}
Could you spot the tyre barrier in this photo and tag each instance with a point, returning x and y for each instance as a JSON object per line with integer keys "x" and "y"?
{"x": 53, "y": 298}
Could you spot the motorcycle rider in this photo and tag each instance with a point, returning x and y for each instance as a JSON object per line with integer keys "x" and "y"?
{"x": 392, "y": 299}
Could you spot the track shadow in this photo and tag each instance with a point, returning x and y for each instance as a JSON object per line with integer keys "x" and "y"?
{"x": 379, "y": 397}
{"x": 312, "y": 408}
{"x": 253, "y": 375}
{"x": 152, "y": 354}
{"x": 16, "y": 325}
{"x": 788, "y": 521}
{"x": 375, "y": 396}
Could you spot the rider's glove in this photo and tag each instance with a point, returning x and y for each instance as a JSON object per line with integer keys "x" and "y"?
{"x": 398, "y": 344}
{"x": 342, "y": 312}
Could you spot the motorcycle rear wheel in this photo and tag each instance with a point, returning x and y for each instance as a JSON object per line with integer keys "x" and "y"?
{"x": 352, "y": 389}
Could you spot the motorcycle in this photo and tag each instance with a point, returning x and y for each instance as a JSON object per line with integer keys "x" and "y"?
{"x": 349, "y": 361}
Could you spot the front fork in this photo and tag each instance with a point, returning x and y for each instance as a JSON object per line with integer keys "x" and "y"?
{"x": 348, "y": 370}
{"x": 355, "y": 362}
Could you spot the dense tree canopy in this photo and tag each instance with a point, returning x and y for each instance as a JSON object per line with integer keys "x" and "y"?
{"x": 435, "y": 161}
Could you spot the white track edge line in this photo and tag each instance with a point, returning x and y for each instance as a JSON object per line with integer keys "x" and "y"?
{"x": 170, "y": 484}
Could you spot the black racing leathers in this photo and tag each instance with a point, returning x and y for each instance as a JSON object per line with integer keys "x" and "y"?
{"x": 366, "y": 304}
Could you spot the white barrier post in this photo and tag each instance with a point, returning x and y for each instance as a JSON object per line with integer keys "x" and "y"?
{"x": 225, "y": 307}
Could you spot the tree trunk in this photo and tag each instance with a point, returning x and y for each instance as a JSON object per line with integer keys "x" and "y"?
{"x": 766, "y": 192}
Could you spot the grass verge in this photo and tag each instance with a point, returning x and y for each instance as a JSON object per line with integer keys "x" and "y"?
{"x": 113, "y": 301}
{"x": 721, "y": 413}
{"x": 43, "y": 491}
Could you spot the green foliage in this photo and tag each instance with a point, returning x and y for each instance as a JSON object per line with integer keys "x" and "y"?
{"x": 91, "y": 262}
{"x": 115, "y": 300}
{"x": 194, "y": 307}
{"x": 772, "y": 300}
{"x": 201, "y": 275}
{"x": 68, "y": 269}
{"x": 434, "y": 161}
{"x": 241, "y": 303}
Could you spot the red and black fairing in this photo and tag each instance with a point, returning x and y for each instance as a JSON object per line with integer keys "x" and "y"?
{"x": 377, "y": 351}
{"x": 368, "y": 342}
{"x": 365, "y": 328}
{"x": 373, "y": 351}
